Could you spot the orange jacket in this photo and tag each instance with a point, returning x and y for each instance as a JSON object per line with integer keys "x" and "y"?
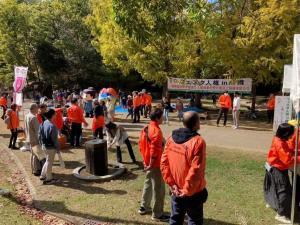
{"x": 143, "y": 99}
{"x": 3, "y": 101}
{"x": 97, "y": 123}
{"x": 59, "y": 120}
{"x": 281, "y": 155}
{"x": 225, "y": 101}
{"x": 153, "y": 147}
{"x": 271, "y": 103}
{"x": 14, "y": 120}
{"x": 75, "y": 114}
{"x": 148, "y": 99}
{"x": 136, "y": 101}
{"x": 184, "y": 165}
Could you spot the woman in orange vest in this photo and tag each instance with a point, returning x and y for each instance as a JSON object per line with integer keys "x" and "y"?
{"x": 136, "y": 107}
{"x": 3, "y": 104}
{"x": 12, "y": 122}
{"x": 277, "y": 187}
{"x": 271, "y": 108}
{"x": 58, "y": 120}
{"x": 98, "y": 121}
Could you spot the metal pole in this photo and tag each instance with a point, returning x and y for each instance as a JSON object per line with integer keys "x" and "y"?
{"x": 295, "y": 172}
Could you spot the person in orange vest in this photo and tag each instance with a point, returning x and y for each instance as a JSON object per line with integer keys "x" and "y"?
{"x": 183, "y": 168}
{"x": 143, "y": 102}
{"x": 271, "y": 108}
{"x": 76, "y": 118}
{"x": 98, "y": 121}
{"x": 148, "y": 104}
{"x": 12, "y": 122}
{"x": 136, "y": 107}
{"x": 151, "y": 148}
{"x": 277, "y": 187}
{"x": 225, "y": 104}
{"x": 58, "y": 120}
{"x": 3, "y": 104}
{"x": 41, "y": 114}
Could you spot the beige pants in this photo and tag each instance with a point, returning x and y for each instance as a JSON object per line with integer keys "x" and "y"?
{"x": 236, "y": 117}
{"x": 47, "y": 168}
{"x": 37, "y": 150}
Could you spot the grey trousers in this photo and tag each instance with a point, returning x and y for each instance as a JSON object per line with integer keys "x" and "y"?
{"x": 154, "y": 188}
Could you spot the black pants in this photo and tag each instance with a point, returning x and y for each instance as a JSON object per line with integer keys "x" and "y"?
{"x": 221, "y": 112}
{"x": 130, "y": 113}
{"x": 76, "y": 131}
{"x": 142, "y": 109}
{"x": 147, "y": 110}
{"x": 13, "y": 138}
{"x": 136, "y": 115}
{"x": 98, "y": 133}
{"x": 130, "y": 150}
{"x": 270, "y": 116}
{"x": 278, "y": 191}
{"x": 192, "y": 206}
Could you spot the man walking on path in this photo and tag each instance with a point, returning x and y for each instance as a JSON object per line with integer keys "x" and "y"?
{"x": 225, "y": 105}
{"x": 236, "y": 110}
{"x": 183, "y": 168}
{"x": 151, "y": 147}
{"x": 76, "y": 118}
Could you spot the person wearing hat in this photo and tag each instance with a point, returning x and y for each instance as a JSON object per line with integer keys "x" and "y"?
{"x": 117, "y": 135}
{"x": 129, "y": 104}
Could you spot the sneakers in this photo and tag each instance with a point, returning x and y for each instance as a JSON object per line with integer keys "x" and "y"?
{"x": 50, "y": 182}
{"x": 143, "y": 211}
{"x": 282, "y": 219}
{"x": 163, "y": 218}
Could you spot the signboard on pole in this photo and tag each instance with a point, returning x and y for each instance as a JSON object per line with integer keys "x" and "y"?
{"x": 283, "y": 111}
{"x": 210, "y": 85}
{"x": 20, "y": 78}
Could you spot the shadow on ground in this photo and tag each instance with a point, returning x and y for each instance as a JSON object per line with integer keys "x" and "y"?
{"x": 69, "y": 181}
{"x": 60, "y": 207}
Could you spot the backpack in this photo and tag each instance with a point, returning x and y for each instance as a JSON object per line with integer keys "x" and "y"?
{"x": 144, "y": 141}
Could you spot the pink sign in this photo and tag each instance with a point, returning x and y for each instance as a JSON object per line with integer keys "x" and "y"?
{"x": 20, "y": 78}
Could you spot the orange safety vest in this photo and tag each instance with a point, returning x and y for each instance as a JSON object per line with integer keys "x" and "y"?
{"x": 184, "y": 165}
{"x": 281, "y": 155}
{"x": 271, "y": 103}
{"x": 225, "y": 101}
{"x": 59, "y": 120}
{"x": 97, "y": 123}
{"x": 14, "y": 120}
{"x": 136, "y": 101}
{"x": 148, "y": 99}
{"x": 3, "y": 101}
{"x": 75, "y": 114}
{"x": 151, "y": 144}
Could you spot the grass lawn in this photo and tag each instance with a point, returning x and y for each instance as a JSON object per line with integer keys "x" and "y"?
{"x": 9, "y": 213}
{"x": 235, "y": 185}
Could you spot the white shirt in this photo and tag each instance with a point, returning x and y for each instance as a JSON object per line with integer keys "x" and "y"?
{"x": 236, "y": 103}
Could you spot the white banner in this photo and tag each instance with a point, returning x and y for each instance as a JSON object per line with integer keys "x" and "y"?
{"x": 283, "y": 111}
{"x": 210, "y": 85}
{"x": 287, "y": 78}
{"x": 20, "y": 78}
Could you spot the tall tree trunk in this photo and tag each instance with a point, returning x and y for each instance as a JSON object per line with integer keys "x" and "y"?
{"x": 198, "y": 102}
{"x": 253, "y": 104}
{"x": 165, "y": 92}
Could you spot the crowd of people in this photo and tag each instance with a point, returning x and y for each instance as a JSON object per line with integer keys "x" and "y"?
{"x": 178, "y": 162}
